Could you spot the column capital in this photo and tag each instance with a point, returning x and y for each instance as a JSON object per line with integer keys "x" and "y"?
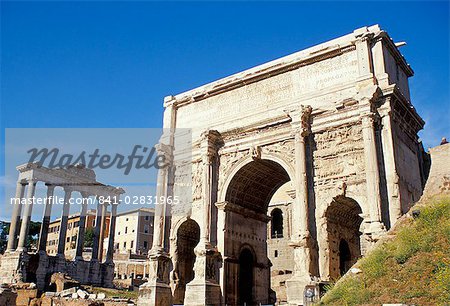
{"x": 368, "y": 119}
{"x": 32, "y": 181}
{"x": 368, "y": 93}
{"x": 68, "y": 189}
{"x": 211, "y": 140}
{"x": 300, "y": 119}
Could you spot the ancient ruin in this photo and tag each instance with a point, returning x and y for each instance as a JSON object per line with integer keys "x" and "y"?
{"x": 19, "y": 264}
{"x": 335, "y": 121}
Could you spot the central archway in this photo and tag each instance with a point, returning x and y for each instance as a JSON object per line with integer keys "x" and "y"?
{"x": 248, "y": 194}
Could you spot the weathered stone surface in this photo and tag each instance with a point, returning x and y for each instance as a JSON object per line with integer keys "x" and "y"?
{"x": 335, "y": 123}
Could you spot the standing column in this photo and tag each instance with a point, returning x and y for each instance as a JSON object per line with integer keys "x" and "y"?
{"x": 209, "y": 155}
{"x": 82, "y": 226}
{"x": 102, "y": 231}
{"x": 43, "y": 235}
{"x": 300, "y": 236}
{"x": 15, "y": 219}
{"x": 98, "y": 220}
{"x": 64, "y": 220}
{"x": 204, "y": 289}
{"x": 112, "y": 231}
{"x": 157, "y": 288}
{"x": 392, "y": 178}
{"x": 26, "y": 218}
{"x": 372, "y": 173}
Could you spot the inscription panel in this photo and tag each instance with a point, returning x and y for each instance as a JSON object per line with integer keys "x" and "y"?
{"x": 237, "y": 105}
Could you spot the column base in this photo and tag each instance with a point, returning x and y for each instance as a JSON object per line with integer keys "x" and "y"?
{"x": 41, "y": 271}
{"x": 201, "y": 293}
{"x": 154, "y": 293}
{"x": 295, "y": 288}
{"x": 157, "y": 292}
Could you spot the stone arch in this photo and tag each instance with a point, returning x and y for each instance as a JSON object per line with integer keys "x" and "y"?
{"x": 287, "y": 166}
{"x": 343, "y": 222}
{"x": 245, "y": 206}
{"x": 187, "y": 238}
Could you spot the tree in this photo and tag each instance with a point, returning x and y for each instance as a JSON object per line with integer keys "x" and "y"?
{"x": 4, "y": 231}
{"x": 89, "y": 237}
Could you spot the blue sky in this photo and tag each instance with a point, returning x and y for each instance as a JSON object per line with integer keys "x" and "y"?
{"x": 109, "y": 64}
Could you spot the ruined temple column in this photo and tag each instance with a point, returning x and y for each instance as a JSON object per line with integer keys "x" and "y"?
{"x": 98, "y": 220}
{"x": 82, "y": 227}
{"x": 43, "y": 235}
{"x": 372, "y": 173}
{"x": 300, "y": 237}
{"x": 15, "y": 219}
{"x": 204, "y": 289}
{"x": 112, "y": 230}
{"x": 157, "y": 290}
{"x": 26, "y": 218}
{"x": 64, "y": 220}
{"x": 102, "y": 231}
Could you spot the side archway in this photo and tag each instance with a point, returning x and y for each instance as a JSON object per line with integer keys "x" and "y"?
{"x": 187, "y": 238}
{"x": 343, "y": 223}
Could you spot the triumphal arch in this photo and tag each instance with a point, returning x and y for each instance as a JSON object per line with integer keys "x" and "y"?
{"x": 334, "y": 120}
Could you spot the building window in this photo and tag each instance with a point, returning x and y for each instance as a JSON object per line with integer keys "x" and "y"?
{"x": 126, "y": 229}
{"x": 146, "y": 228}
{"x": 70, "y": 225}
{"x": 68, "y": 239}
{"x": 145, "y": 245}
{"x": 125, "y": 245}
{"x": 277, "y": 223}
{"x": 276, "y": 253}
{"x": 74, "y": 238}
{"x": 118, "y": 234}
{"x": 132, "y": 243}
{"x": 147, "y": 218}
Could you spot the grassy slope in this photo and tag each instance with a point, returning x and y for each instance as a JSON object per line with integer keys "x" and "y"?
{"x": 412, "y": 268}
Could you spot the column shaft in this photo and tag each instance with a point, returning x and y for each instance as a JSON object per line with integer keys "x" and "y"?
{"x": 15, "y": 218}
{"x": 102, "y": 231}
{"x": 98, "y": 220}
{"x": 82, "y": 228}
{"x": 372, "y": 171}
{"x": 160, "y": 208}
{"x": 43, "y": 235}
{"x": 112, "y": 231}
{"x": 64, "y": 221}
{"x": 26, "y": 216}
{"x": 392, "y": 178}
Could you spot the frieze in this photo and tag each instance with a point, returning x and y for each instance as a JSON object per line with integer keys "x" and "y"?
{"x": 284, "y": 149}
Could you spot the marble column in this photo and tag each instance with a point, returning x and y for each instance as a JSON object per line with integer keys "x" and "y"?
{"x": 102, "y": 231}
{"x": 372, "y": 174}
{"x": 157, "y": 290}
{"x": 300, "y": 237}
{"x": 82, "y": 227}
{"x": 64, "y": 221}
{"x": 112, "y": 230}
{"x": 392, "y": 178}
{"x": 43, "y": 235}
{"x": 15, "y": 218}
{"x": 98, "y": 220}
{"x": 204, "y": 289}
{"x": 26, "y": 218}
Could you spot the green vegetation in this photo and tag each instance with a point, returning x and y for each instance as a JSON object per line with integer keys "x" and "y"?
{"x": 124, "y": 294}
{"x": 411, "y": 268}
{"x": 89, "y": 237}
